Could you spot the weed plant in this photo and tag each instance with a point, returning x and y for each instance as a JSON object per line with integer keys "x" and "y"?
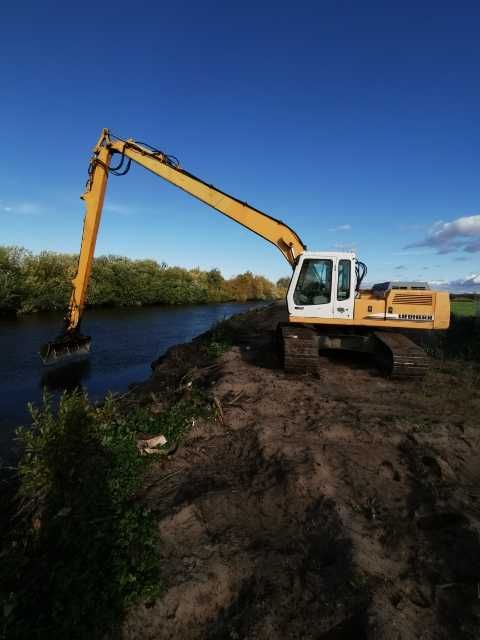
{"x": 81, "y": 548}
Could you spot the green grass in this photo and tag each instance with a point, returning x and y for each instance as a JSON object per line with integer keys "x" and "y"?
{"x": 217, "y": 344}
{"x": 464, "y": 307}
{"x": 82, "y": 548}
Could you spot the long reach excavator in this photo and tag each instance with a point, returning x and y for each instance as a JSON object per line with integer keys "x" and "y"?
{"x": 327, "y": 309}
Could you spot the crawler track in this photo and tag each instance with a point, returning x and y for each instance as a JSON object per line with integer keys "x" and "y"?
{"x": 400, "y": 357}
{"x": 396, "y": 355}
{"x": 300, "y": 349}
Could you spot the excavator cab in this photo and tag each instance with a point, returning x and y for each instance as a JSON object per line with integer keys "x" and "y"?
{"x": 323, "y": 286}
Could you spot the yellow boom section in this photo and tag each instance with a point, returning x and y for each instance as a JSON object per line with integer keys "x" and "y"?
{"x": 275, "y": 231}
{"x": 260, "y": 223}
{"x": 93, "y": 197}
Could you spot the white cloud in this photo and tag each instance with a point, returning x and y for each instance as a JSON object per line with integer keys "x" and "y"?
{"x": 28, "y": 208}
{"x": 345, "y": 247}
{"x": 469, "y": 284}
{"x": 462, "y": 234}
{"x": 342, "y": 227}
{"x": 120, "y": 209}
{"x": 422, "y": 252}
{"x": 24, "y": 208}
{"x": 411, "y": 227}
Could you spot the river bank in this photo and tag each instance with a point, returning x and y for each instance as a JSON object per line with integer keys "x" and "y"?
{"x": 336, "y": 506}
{"x": 341, "y": 505}
{"x": 124, "y": 343}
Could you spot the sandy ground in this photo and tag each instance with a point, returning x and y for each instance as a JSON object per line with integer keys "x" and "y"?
{"x": 337, "y": 506}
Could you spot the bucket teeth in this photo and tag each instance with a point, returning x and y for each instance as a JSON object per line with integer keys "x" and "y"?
{"x": 65, "y": 347}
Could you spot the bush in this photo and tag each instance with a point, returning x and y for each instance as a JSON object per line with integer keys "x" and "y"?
{"x": 12, "y": 286}
{"x": 43, "y": 282}
{"x": 462, "y": 339}
{"x": 81, "y": 548}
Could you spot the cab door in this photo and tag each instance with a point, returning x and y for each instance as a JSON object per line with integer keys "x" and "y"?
{"x": 344, "y": 295}
{"x": 312, "y": 290}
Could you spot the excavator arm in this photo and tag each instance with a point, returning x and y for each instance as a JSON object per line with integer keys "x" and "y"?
{"x": 70, "y": 341}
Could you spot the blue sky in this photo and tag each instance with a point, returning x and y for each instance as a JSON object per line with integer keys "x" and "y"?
{"x": 356, "y": 123}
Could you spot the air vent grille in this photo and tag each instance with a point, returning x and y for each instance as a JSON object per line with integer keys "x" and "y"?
{"x": 412, "y": 298}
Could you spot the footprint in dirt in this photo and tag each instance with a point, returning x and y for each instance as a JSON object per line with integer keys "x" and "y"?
{"x": 388, "y": 471}
{"x": 432, "y": 468}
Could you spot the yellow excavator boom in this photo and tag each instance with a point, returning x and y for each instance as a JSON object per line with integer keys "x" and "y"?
{"x": 168, "y": 168}
{"x": 324, "y": 290}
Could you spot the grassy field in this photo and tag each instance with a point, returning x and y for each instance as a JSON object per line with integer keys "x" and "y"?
{"x": 464, "y": 307}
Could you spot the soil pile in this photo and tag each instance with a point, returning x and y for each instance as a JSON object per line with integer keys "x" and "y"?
{"x": 335, "y": 506}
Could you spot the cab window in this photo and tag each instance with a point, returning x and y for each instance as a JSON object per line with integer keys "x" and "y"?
{"x": 343, "y": 285}
{"x": 314, "y": 285}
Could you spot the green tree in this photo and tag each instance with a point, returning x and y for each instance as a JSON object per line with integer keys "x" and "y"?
{"x": 42, "y": 282}
{"x": 12, "y": 287}
{"x": 47, "y": 278}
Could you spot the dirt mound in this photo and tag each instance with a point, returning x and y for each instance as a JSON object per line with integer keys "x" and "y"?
{"x": 338, "y": 506}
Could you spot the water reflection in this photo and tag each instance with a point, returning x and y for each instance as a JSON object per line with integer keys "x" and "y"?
{"x": 68, "y": 376}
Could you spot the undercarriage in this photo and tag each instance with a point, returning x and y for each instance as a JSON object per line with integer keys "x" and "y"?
{"x": 396, "y": 355}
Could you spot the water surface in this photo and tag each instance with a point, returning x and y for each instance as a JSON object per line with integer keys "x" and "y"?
{"x": 124, "y": 343}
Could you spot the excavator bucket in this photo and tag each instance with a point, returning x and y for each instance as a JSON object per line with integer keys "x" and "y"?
{"x": 65, "y": 347}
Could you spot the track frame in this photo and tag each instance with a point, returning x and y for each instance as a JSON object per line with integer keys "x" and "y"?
{"x": 396, "y": 355}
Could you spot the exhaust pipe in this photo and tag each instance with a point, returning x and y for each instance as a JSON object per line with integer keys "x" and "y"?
{"x": 65, "y": 347}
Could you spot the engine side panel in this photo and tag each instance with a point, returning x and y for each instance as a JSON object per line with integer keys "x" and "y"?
{"x": 400, "y": 308}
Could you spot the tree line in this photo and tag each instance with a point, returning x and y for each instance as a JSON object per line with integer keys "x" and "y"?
{"x": 42, "y": 282}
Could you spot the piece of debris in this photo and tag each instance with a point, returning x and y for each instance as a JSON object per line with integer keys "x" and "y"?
{"x": 151, "y": 445}
{"x": 232, "y": 403}
{"x": 219, "y": 407}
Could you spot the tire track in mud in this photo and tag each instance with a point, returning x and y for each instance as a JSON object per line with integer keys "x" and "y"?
{"x": 445, "y": 562}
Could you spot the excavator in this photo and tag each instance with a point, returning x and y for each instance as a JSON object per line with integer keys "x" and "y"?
{"x": 327, "y": 309}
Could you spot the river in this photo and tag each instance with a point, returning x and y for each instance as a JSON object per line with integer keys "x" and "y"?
{"x": 124, "y": 343}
